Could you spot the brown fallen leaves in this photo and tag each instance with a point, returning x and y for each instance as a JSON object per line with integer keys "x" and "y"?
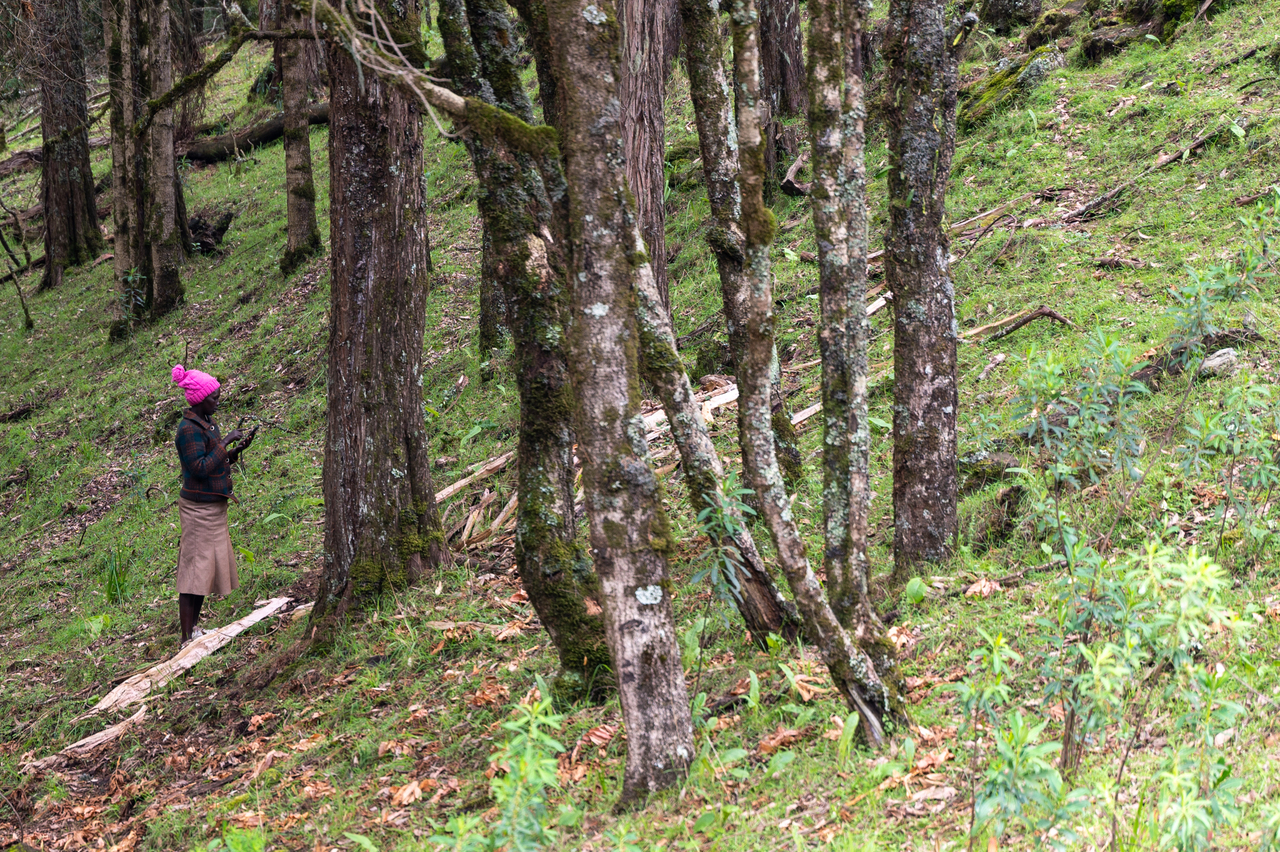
{"x": 983, "y": 588}
{"x": 779, "y": 739}
{"x": 490, "y": 693}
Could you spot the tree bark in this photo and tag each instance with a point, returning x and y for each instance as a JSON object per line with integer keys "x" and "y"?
{"x": 165, "y": 204}
{"x": 852, "y": 669}
{"x": 920, "y": 119}
{"x": 71, "y": 235}
{"x": 303, "y": 239}
{"x": 555, "y": 569}
{"x": 781, "y": 57}
{"x": 643, "y": 89}
{"x": 382, "y": 527}
{"x": 631, "y": 537}
{"x": 215, "y": 149}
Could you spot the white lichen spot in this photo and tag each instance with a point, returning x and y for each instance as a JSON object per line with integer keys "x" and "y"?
{"x": 593, "y": 14}
{"x": 649, "y": 595}
{"x": 599, "y": 309}
{"x": 683, "y": 752}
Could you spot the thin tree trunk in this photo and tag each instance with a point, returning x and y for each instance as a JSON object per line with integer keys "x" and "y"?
{"x": 492, "y": 305}
{"x": 921, "y": 72}
{"x": 382, "y": 527}
{"x": 853, "y": 671}
{"x": 555, "y": 569}
{"x": 782, "y": 78}
{"x": 164, "y": 230}
{"x": 71, "y": 235}
{"x": 128, "y": 89}
{"x": 631, "y": 537}
{"x": 643, "y": 89}
{"x": 303, "y": 239}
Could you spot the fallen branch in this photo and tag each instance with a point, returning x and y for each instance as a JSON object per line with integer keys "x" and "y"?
{"x": 789, "y": 185}
{"x": 486, "y": 469}
{"x": 1111, "y": 195}
{"x": 1246, "y": 200}
{"x": 1039, "y": 312}
{"x": 88, "y": 745}
{"x": 137, "y": 687}
{"x": 228, "y": 145}
{"x": 1118, "y": 262}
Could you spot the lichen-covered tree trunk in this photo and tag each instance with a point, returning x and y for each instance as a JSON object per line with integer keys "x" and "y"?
{"x": 128, "y": 87}
{"x": 852, "y": 669}
{"x": 303, "y": 240}
{"x": 643, "y": 89}
{"x": 757, "y": 599}
{"x": 837, "y": 124}
{"x": 555, "y": 569}
{"x": 718, "y": 140}
{"x": 164, "y": 230}
{"x": 382, "y": 527}
{"x": 631, "y": 537}
{"x": 71, "y": 235}
{"x": 920, "y": 120}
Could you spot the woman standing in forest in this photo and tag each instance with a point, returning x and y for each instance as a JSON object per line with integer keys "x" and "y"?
{"x": 206, "y": 560}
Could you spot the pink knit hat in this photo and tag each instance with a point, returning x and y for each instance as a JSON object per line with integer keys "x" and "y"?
{"x": 198, "y": 385}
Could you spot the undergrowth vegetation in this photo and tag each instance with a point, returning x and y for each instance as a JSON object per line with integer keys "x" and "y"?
{"x": 1096, "y": 665}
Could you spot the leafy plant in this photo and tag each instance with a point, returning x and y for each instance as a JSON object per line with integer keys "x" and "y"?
{"x": 115, "y": 567}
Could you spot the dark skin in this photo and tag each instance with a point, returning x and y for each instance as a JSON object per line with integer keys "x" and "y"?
{"x": 189, "y": 605}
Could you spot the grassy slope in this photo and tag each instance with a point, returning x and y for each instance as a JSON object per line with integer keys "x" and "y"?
{"x": 101, "y": 479}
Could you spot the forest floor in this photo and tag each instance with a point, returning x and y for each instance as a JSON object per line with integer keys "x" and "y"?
{"x": 379, "y": 743}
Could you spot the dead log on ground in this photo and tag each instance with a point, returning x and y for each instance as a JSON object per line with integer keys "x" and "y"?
{"x": 229, "y": 145}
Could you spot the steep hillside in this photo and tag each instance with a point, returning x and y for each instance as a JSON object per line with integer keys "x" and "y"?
{"x": 385, "y": 740}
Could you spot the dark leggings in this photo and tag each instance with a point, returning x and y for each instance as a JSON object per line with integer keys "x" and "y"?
{"x": 189, "y": 613}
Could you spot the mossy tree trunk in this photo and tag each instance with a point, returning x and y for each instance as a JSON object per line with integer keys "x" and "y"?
{"x": 852, "y": 669}
{"x": 837, "y": 122}
{"x": 165, "y": 207}
{"x": 128, "y": 89}
{"x": 303, "y": 240}
{"x": 382, "y": 527}
{"x": 555, "y": 569}
{"x": 921, "y": 57}
{"x": 645, "y": 25}
{"x": 631, "y": 538}
{"x": 71, "y": 235}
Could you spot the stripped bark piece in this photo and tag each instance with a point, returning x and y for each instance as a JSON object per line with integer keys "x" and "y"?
{"x": 140, "y": 685}
{"x": 88, "y": 745}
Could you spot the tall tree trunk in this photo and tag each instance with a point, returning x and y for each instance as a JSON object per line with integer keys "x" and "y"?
{"x": 631, "y": 537}
{"x": 555, "y": 569}
{"x": 164, "y": 233}
{"x": 920, "y": 88}
{"x": 303, "y": 239}
{"x": 492, "y": 304}
{"x": 854, "y": 672}
{"x": 643, "y": 89}
{"x": 128, "y": 88}
{"x": 71, "y": 235}
{"x": 382, "y": 527}
{"x": 782, "y": 78}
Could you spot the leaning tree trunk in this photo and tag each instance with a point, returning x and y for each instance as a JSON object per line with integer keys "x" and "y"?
{"x": 382, "y": 527}
{"x": 71, "y": 235}
{"x": 643, "y": 88}
{"x": 920, "y": 120}
{"x": 164, "y": 228}
{"x": 631, "y": 537}
{"x": 854, "y": 673}
{"x": 303, "y": 239}
{"x": 555, "y": 569}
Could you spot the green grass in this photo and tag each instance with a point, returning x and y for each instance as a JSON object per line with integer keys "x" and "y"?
{"x": 398, "y": 699}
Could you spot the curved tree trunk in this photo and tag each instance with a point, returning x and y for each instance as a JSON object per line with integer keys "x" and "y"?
{"x": 853, "y": 671}
{"x": 166, "y": 208}
{"x": 303, "y": 239}
{"x": 631, "y": 537}
{"x": 382, "y": 527}
{"x": 921, "y": 73}
{"x": 643, "y": 89}
{"x": 555, "y": 569}
{"x": 71, "y": 235}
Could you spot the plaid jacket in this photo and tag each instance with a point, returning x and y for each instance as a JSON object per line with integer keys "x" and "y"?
{"x": 206, "y": 468}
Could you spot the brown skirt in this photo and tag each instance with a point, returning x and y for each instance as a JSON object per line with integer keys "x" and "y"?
{"x": 206, "y": 559}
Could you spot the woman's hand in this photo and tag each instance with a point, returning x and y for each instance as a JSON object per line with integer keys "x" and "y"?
{"x": 232, "y": 436}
